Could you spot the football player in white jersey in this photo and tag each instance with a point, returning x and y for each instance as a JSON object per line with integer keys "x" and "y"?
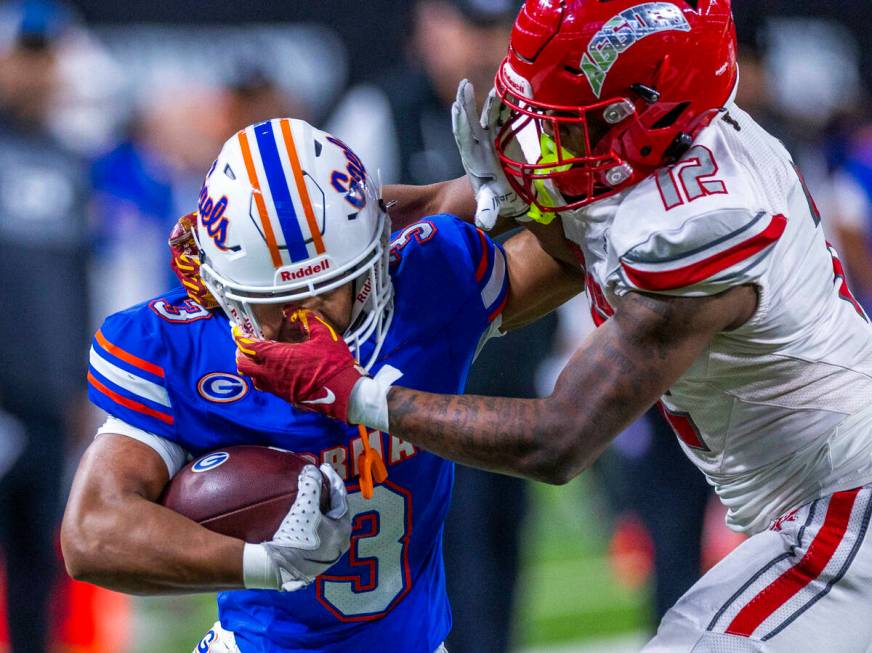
{"x": 612, "y": 131}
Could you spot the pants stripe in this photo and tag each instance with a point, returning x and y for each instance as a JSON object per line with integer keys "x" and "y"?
{"x": 792, "y": 581}
{"x": 853, "y": 554}
{"x": 811, "y": 515}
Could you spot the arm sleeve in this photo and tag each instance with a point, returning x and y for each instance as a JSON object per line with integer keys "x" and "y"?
{"x": 705, "y": 255}
{"x": 173, "y": 455}
{"x": 126, "y": 376}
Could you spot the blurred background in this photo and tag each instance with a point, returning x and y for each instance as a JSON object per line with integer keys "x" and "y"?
{"x": 110, "y": 113}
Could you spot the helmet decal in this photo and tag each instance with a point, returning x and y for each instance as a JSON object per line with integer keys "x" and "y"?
{"x": 277, "y": 183}
{"x": 624, "y": 30}
{"x": 273, "y": 165}
{"x": 212, "y": 216}
{"x": 351, "y": 181}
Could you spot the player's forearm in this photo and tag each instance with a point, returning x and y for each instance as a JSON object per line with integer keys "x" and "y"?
{"x": 133, "y": 545}
{"x": 412, "y": 203}
{"x": 510, "y": 436}
{"x": 617, "y": 374}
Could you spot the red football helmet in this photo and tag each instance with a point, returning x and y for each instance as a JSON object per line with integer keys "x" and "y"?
{"x": 614, "y": 89}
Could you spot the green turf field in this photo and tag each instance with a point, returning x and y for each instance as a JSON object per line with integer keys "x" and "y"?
{"x": 567, "y": 591}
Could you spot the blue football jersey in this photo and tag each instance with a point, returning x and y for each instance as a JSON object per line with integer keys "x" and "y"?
{"x": 168, "y": 367}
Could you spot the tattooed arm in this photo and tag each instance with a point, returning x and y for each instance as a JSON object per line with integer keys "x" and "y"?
{"x": 617, "y": 374}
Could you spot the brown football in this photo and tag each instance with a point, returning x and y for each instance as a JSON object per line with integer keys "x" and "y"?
{"x": 243, "y": 491}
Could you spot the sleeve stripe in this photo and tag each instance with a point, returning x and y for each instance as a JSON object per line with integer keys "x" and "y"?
{"x": 495, "y": 284}
{"x": 128, "y": 381}
{"x": 128, "y": 403}
{"x": 128, "y": 357}
{"x": 483, "y": 263}
{"x": 494, "y": 314}
{"x": 707, "y": 267}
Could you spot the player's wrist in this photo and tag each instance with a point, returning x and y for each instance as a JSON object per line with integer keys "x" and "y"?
{"x": 259, "y": 571}
{"x": 368, "y": 402}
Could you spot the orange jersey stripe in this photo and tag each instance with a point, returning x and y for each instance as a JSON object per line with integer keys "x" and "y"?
{"x": 136, "y": 361}
{"x": 258, "y": 200}
{"x": 129, "y": 403}
{"x": 301, "y": 185}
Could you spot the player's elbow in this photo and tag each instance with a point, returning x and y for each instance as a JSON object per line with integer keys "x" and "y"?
{"x": 83, "y": 547}
{"x": 557, "y": 456}
{"x": 75, "y": 549}
{"x": 74, "y": 553}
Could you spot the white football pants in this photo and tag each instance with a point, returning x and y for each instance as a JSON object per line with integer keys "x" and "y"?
{"x": 803, "y": 585}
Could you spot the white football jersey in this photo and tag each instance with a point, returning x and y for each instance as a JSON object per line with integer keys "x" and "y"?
{"x": 778, "y": 412}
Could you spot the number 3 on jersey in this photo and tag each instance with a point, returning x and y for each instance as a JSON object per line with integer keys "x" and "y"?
{"x": 379, "y": 557}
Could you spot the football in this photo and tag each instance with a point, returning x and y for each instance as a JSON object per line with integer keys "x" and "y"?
{"x": 243, "y": 491}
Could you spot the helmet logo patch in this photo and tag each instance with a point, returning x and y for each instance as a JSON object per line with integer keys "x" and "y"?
{"x": 622, "y": 32}
{"x": 352, "y": 181}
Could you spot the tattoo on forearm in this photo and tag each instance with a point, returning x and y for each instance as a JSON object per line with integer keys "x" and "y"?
{"x": 615, "y": 376}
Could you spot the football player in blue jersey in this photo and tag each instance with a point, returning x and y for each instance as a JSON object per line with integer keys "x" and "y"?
{"x": 290, "y": 225}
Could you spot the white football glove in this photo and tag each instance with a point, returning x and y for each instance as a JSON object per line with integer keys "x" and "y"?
{"x": 494, "y": 196}
{"x": 307, "y": 542}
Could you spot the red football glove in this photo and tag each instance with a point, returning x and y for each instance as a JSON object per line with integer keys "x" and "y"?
{"x": 186, "y": 261}
{"x": 316, "y": 374}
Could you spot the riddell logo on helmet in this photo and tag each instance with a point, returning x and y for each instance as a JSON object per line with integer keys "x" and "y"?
{"x": 519, "y": 86}
{"x": 623, "y": 31}
{"x": 363, "y": 295}
{"x": 308, "y": 271}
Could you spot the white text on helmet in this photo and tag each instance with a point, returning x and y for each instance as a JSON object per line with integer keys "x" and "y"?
{"x": 308, "y": 271}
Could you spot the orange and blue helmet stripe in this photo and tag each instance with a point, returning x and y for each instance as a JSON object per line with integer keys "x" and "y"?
{"x": 273, "y": 165}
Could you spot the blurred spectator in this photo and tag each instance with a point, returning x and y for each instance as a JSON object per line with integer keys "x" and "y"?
{"x": 254, "y": 96}
{"x": 660, "y": 499}
{"x": 852, "y": 223}
{"x": 43, "y": 194}
{"x": 402, "y": 125}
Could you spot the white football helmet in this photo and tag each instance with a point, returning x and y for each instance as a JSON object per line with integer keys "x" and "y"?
{"x": 286, "y": 212}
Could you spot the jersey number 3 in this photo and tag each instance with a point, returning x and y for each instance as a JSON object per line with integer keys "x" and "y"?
{"x": 378, "y": 558}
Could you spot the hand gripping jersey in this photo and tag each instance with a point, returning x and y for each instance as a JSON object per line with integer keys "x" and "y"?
{"x": 778, "y": 412}
{"x": 168, "y": 367}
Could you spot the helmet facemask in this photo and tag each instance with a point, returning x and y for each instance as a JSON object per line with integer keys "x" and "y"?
{"x": 373, "y": 304}
{"x": 560, "y": 158}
